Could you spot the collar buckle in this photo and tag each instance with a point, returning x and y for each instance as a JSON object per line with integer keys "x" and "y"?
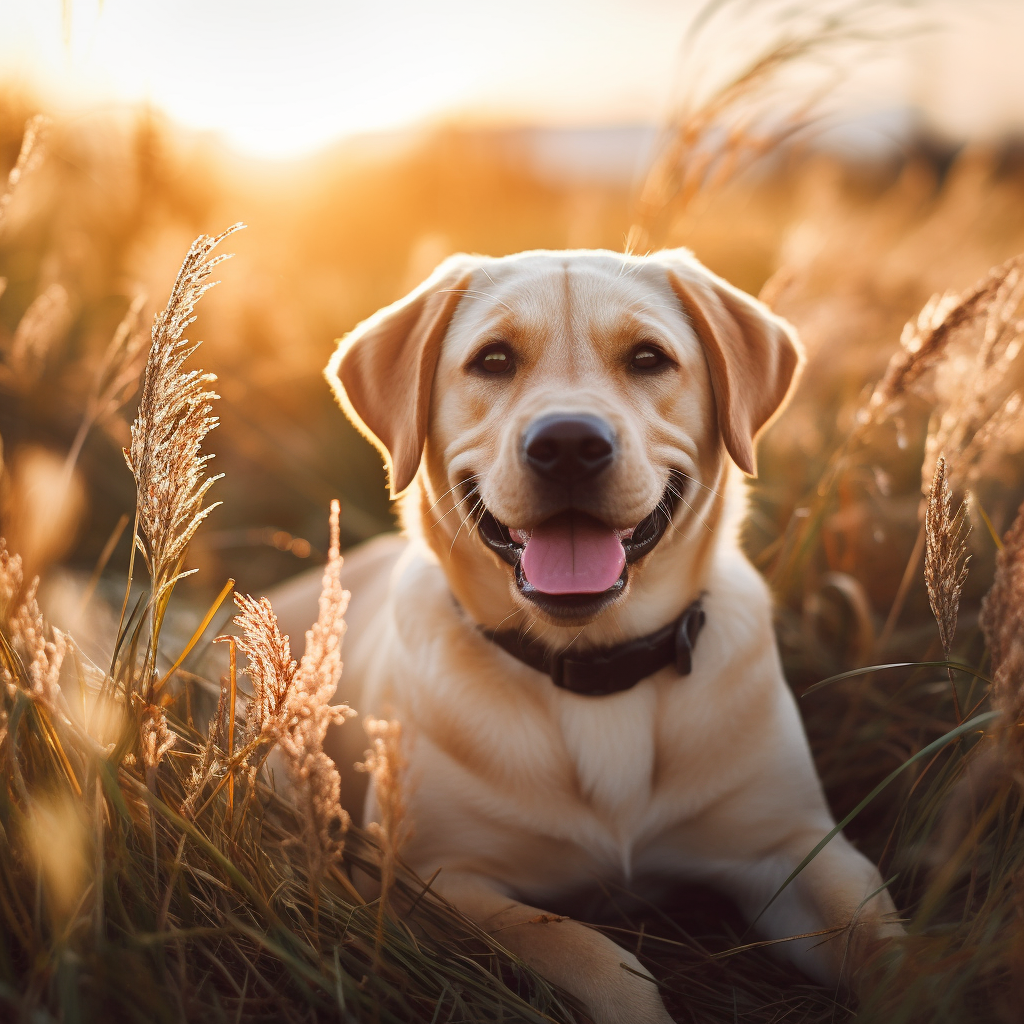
{"x": 691, "y": 622}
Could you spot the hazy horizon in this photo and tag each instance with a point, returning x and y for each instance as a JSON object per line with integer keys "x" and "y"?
{"x": 288, "y": 83}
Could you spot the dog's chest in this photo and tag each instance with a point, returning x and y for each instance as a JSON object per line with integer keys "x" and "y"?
{"x": 610, "y": 745}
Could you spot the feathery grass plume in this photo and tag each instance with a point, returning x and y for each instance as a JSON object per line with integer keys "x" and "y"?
{"x": 28, "y": 157}
{"x": 945, "y": 562}
{"x": 1002, "y": 621}
{"x": 291, "y": 704}
{"x": 946, "y": 558}
{"x": 116, "y": 376}
{"x": 43, "y": 324}
{"x": 978, "y": 383}
{"x": 723, "y": 124}
{"x": 175, "y": 415}
{"x": 385, "y": 763}
{"x": 926, "y": 339}
{"x": 271, "y": 667}
{"x": 31, "y": 660}
{"x": 155, "y": 737}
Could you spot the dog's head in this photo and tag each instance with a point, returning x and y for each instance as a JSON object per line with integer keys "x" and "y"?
{"x": 569, "y": 417}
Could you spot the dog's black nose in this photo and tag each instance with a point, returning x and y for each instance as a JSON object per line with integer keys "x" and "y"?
{"x": 568, "y": 449}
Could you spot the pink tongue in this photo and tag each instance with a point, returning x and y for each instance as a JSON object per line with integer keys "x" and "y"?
{"x": 573, "y": 554}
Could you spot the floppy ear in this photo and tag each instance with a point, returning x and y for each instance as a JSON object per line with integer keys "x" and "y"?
{"x": 383, "y": 370}
{"x": 754, "y": 356}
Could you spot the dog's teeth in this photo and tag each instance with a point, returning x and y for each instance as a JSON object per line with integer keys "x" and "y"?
{"x": 625, "y": 534}
{"x": 519, "y": 536}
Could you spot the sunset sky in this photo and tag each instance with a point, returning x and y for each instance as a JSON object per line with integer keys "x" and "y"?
{"x": 283, "y": 79}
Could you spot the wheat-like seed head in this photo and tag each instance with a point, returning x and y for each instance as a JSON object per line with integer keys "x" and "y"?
{"x": 155, "y": 736}
{"x": 271, "y": 665}
{"x": 37, "y": 659}
{"x": 29, "y": 155}
{"x": 385, "y": 763}
{"x": 1002, "y": 621}
{"x": 291, "y": 705}
{"x": 731, "y": 113}
{"x": 977, "y": 383}
{"x": 175, "y": 415}
{"x": 118, "y": 371}
{"x": 926, "y": 339}
{"x": 946, "y": 558}
{"x": 44, "y": 322}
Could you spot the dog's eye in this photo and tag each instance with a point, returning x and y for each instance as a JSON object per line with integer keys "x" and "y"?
{"x": 647, "y": 357}
{"x": 494, "y": 359}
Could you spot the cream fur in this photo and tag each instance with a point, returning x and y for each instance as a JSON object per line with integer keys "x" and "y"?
{"x": 520, "y": 792}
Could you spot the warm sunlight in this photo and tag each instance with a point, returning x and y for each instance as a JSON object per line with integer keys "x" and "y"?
{"x": 282, "y": 80}
{"x": 604, "y": 602}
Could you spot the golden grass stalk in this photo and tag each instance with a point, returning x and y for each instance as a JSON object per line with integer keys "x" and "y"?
{"x": 30, "y": 154}
{"x": 946, "y": 558}
{"x": 116, "y": 377}
{"x": 43, "y": 324}
{"x": 156, "y": 737}
{"x": 28, "y": 651}
{"x": 948, "y": 323}
{"x": 291, "y": 705}
{"x": 175, "y": 415}
{"x": 720, "y": 127}
{"x": 926, "y": 339}
{"x": 271, "y": 667}
{"x": 385, "y": 764}
{"x": 945, "y": 562}
{"x": 978, "y": 383}
{"x": 1002, "y": 621}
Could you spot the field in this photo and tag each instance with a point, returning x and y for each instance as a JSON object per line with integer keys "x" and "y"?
{"x": 178, "y": 894}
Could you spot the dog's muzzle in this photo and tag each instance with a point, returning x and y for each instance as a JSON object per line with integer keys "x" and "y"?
{"x": 510, "y": 545}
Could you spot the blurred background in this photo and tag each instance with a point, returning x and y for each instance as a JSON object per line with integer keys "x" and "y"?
{"x": 846, "y": 160}
{"x": 857, "y": 157}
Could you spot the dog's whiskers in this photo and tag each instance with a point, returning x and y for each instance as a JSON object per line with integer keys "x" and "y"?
{"x": 452, "y": 488}
{"x": 696, "y": 513}
{"x": 472, "y": 512}
{"x": 523, "y": 630}
{"x": 437, "y": 522}
{"x": 514, "y": 611}
{"x": 694, "y": 480}
{"x": 573, "y": 640}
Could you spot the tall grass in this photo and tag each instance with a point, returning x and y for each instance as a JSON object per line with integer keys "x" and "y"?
{"x": 149, "y": 868}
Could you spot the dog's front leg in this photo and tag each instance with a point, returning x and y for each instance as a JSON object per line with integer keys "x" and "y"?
{"x": 609, "y": 981}
{"x": 839, "y": 895}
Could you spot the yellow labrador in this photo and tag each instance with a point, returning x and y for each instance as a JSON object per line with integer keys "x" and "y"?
{"x": 581, "y": 656}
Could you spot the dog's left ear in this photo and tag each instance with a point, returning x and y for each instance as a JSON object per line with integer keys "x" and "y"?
{"x": 383, "y": 370}
{"x": 754, "y": 356}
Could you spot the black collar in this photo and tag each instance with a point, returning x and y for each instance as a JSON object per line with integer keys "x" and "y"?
{"x": 605, "y": 670}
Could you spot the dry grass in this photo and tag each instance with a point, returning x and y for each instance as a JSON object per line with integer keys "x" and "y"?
{"x": 186, "y": 887}
{"x": 184, "y": 893}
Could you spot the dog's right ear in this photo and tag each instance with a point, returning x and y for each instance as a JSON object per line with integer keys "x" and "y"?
{"x": 382, "y": 371}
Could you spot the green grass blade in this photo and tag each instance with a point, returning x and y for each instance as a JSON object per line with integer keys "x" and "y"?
{"x": 935, "y": 745}
{"x": 868, "y": 669}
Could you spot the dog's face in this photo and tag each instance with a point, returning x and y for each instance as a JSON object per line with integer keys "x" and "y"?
{"x": 569, "y": 418}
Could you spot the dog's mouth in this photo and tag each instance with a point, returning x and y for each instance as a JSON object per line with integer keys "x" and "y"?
{"x": 573, "y": 564}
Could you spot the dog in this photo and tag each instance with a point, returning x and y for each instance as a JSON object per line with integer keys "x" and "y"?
{"x": 582, "y": 658}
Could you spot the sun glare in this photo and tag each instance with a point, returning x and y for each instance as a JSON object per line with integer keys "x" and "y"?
{"x": 279, "y": 80}
{"x": 282, "y": 80}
